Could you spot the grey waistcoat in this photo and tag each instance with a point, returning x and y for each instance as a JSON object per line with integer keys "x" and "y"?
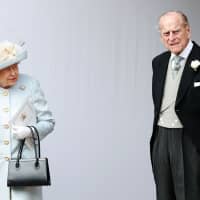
{"x": 168, "y": 117}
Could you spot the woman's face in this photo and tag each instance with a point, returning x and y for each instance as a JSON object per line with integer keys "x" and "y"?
{"x": 9, "y": 76}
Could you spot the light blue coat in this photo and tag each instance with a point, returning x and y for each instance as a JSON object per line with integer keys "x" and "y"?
{"x": 11, "y": 101}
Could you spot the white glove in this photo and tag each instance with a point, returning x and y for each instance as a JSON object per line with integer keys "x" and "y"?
{"x": 21, "y": 132}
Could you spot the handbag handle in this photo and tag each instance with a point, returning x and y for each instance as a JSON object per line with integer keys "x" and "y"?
{"x": 34, "y": 132}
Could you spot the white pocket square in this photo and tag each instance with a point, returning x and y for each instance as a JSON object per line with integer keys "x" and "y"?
{"x": 196, "y": 84}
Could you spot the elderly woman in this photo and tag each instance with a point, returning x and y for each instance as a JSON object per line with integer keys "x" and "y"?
{"x": 22, "y": 103}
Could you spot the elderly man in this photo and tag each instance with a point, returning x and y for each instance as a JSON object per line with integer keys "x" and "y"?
{"x": 175, "y": 142}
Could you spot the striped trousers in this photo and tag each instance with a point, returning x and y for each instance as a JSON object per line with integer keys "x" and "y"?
{"x": 176, "y": 166}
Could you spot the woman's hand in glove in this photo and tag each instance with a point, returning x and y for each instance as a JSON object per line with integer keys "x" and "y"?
{"x": 21, "y": 132}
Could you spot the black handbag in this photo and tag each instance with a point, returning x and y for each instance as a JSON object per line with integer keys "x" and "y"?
{"x": 29, "y": 171}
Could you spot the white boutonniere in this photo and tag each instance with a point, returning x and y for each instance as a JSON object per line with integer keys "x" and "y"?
{"x": 195, "y": 64}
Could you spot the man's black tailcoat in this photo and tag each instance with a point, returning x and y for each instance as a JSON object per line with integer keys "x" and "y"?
{"x": 187, "y": 105}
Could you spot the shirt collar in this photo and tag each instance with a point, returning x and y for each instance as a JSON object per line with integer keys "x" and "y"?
{"x": 185, "y": 53}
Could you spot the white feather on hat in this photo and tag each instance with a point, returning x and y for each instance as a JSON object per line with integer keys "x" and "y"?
{"x": 11, "y": 53}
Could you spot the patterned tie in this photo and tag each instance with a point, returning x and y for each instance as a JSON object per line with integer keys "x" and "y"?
{"x": 176, "y": 65}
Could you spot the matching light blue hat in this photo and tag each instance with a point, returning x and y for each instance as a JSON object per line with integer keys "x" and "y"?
{"x": 11, "y": 53}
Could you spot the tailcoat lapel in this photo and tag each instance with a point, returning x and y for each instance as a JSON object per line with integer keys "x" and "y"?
{"x": 160, "y": 80}
{"x": 188, "y": 74}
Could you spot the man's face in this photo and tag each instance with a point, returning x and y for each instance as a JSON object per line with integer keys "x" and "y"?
{"x": 9, "y": 76}
{"x": 174, "y": 33}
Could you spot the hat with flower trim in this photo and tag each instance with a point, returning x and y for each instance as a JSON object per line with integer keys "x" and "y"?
{"x": 11, "y": 53}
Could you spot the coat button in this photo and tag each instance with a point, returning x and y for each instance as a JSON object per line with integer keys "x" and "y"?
{"x": 5, "y": 93}
{"x": 6, "y": 126}
{"x": 6, "y": 158}
{"x": 6, "y": 109}
{"x": 6, "y": 142}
